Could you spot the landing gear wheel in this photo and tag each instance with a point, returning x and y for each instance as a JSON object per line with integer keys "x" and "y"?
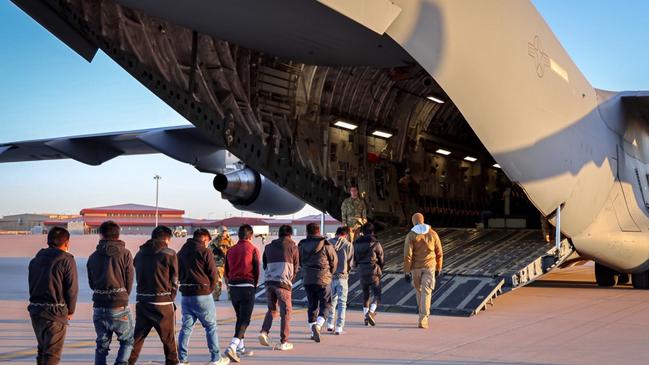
{"x": 623, "y": 278}
{"x": 605, "y": 276}
{"x": 641, "y": 280}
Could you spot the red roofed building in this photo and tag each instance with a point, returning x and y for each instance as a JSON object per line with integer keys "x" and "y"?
{"x": 133, "y": 218}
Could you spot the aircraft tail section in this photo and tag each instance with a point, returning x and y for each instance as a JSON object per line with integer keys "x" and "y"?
{"x": 522, "y": 95}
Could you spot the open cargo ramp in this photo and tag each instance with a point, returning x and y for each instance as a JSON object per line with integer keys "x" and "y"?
{"x": 479, "y": 265}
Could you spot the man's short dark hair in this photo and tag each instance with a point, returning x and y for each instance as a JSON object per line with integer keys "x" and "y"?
{"x": 161, "y": 233}
{"x": 285, "y": 230}
{"x": 202, "y": 232}
{"x": 343, "y": 230}
{"x": 57, "y": 237}
{"x": 312, "y": 229}
{"x": 109, "y": 230}
{"x": 245, "y": 232}
{"x": 368, "y": 228}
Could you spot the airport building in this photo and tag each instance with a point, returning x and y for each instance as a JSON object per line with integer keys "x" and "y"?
{"x": 28, "y": 223}
{"x": 133, "y": 218}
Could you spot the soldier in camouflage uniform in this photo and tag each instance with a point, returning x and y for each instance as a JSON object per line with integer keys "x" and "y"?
{"x": 220, "y": 246}
{"x": 354, "y": 212}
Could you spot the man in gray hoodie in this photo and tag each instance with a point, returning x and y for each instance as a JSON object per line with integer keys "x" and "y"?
{"x": 339, "y": 284}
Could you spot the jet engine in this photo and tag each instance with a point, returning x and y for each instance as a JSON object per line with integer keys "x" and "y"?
{"x": 248, "y": 190}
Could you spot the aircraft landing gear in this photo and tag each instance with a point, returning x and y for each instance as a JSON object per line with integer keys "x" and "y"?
{"x": 605, "y": 276}
{"x": 641, "y": 280}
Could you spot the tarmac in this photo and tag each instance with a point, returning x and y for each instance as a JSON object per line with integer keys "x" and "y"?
{"x": 564, "y": 318}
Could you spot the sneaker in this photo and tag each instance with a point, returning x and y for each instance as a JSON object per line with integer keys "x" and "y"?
{"x": 369, "y": 318}
{"x": 264, "y": 340}
{"x": 315, "y": 332}
{"x": 221, "y": 361}
{"x": 339, "y": 331}
{"x": 366, "y": 321}
{"x": 232, "y": 354}
{"x": 286, "y": 346}
{"x": 245, "y": 352}
{"x": 330, "y": 328}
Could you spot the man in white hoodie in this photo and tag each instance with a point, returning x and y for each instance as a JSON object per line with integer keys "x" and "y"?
{"x": 422, "y": 262}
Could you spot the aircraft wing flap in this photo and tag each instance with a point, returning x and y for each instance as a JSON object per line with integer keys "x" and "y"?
{"x": 183, "y": 143}
{"x": 91, "y": 149}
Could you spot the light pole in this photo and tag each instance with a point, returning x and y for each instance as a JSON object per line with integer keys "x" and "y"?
{"x": 157, "y": 185}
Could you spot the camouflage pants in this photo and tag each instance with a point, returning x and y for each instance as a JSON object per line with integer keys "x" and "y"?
{"x": 216, "y": 294}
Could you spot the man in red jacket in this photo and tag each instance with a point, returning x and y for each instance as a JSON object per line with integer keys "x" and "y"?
{"x": 242, "y": 276}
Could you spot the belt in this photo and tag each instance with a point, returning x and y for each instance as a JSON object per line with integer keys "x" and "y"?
{"x": 109, "y": 291}
{"x": 47, "y": 304}
{"x": 154, "y": 294}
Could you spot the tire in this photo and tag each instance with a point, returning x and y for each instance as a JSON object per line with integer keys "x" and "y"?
{"x": 605, "y": 276}
{"x": 641, "y": 280}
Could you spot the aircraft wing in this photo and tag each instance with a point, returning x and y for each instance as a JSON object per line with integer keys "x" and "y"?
{"x": 183, "y": 143}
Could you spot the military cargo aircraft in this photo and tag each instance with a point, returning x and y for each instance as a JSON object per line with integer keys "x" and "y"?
{"x": 470, "y": 111}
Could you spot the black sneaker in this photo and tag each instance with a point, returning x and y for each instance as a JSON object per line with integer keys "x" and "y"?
{"x": 366, "y": 321}
{"x": 369, "y": 318}
{"x": 315, "y": 333}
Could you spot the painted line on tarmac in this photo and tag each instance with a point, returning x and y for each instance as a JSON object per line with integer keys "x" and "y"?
{"x": 30, "y": 352}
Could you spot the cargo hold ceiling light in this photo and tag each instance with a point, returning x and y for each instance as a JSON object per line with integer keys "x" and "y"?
{"x": 437, "y": 100}
{"x": 443, "y": 152}
{"x": 345, "y": 125}
{"x": 470, "y": 159}
{"x": 496, "y": 165}
{"x": 382, "y": 134}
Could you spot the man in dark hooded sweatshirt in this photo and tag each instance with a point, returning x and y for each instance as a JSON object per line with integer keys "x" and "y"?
{"x": 110, "y": 275}
{"x": 198, "y": 278}
{"x": 53, "y": 288}
{"x": 368, "y": 258}
{"x": 156, "y": 270}
{"x": 318, "y": 260}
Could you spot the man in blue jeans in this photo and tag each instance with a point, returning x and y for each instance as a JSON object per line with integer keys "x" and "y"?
{"x": 339, "y": 284}
{"x": 110, "y": 275}
{"x": 197, "y": 282}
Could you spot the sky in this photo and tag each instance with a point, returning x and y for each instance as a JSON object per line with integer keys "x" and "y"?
{"x": 47, "y": 91}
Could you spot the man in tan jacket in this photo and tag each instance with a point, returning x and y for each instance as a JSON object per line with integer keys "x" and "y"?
{"x": 422, "y": 262}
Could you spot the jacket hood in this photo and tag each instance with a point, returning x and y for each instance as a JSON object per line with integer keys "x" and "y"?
{"x": 194, "y": 244}
{"x": 421, "y": 228}
{"x": 338, "y": 242}
{"x": 152, "y": 247}
{"x": 313, "y": 244}
{"x": 51, "y": 252}
{"x": 281, "y": 240}
{"x": 368, "y": 239}
{"x": 110, "y": 247}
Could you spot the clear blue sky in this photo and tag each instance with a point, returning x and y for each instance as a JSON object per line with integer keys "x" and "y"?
{"x": 47, "y": 91}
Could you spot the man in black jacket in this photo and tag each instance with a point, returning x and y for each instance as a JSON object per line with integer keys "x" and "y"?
{"x": 110, "y": 275}
{"x": 53, "y": 288}
{"x": 156, "y": 270}
{"x": 368, "y": 258}
{"x": 281, "y": 262}
{"x": 198, "y": 277}
{"x": 318, "y": 260}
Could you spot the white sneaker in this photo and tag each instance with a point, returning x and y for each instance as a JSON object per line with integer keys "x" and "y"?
{"x": 286, "y": 346}
{"x": 339, "y": 331}
{"x": 221, "y": 361}
{"x": 264, "y": 340}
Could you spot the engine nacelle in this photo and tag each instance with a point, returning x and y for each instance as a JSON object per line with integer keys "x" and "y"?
{"x": 247, "y": 190}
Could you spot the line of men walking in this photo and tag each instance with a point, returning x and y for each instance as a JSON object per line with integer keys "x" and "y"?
{"x": 160, "y": 273}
